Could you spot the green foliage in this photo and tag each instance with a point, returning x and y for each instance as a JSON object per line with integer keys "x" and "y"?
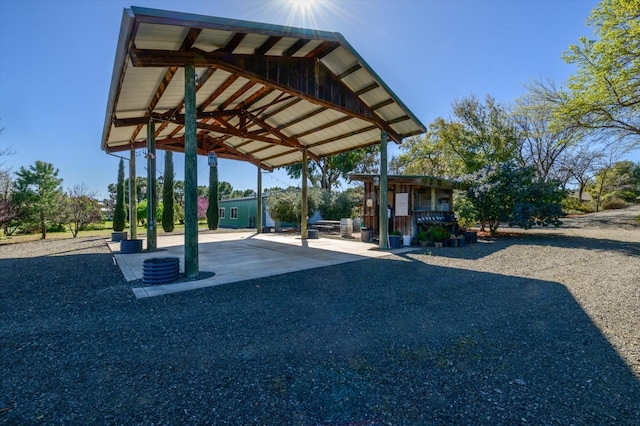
{"x": 465, "y": 210}
{"x": 57, "y": 227}
{"x": 478, "y": 134}
{"x": 141, "y": 211}
{"x": 338, "y": 205}
{"x": 422, "y": 236}
{"x": 571, "y": 205}
{"x": 439, "y": 233}
{"x": 168, "y": 197}
{"x": 326, "y": 172}
{"x": 285, "y": 206}
{"x": 213, "y": 208}
{"x": 506, "y": 193}
{"x": 120, "y": 211}
{"x": 603, "y": 93}
{"x": 38, "y": 196}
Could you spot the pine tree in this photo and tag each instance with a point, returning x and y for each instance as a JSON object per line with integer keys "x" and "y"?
{"x": 213, "y": 213}
{"x": 120, "y": 212}
{"x": 168, "y": 218}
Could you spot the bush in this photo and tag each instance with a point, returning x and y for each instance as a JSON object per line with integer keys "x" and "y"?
{"x": 571, "y": 205}
{"x": 439, "y": 233}
{"x": 614, "y": 203}
{"x": 57, "y": 227}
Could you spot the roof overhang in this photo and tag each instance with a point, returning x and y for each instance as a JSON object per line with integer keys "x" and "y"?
{"x": 414, "y": 180}
{"x": 264, "y": 93}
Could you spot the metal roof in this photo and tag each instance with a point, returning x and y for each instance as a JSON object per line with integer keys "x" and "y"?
{"x": 419, "y": 180}
{"x": 264, "y": 92}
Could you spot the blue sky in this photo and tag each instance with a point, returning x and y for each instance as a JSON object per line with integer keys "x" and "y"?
{"x": 56, "y": 59}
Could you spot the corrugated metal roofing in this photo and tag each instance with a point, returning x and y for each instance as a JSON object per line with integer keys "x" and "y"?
{"x": 264, "y": 92}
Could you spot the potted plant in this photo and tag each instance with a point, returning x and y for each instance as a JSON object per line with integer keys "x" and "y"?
{"x": 422, "y": 238}
{"x": 439, "y": 235}
{"x": 395, "y": 239}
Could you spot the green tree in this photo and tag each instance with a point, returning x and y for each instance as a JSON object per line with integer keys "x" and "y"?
{"x": 225, "y": 190}
{"x": 338, "y": 205}
{"x": 38, "y": 194}
{"x": 285, "y": 206}
{"x": 478, "y": 134}
{"x": 507, "y": 193}
{"x": 213, "y": 210}
{"x": 141, "y": 211}
{"x": 604, "y": 93}
{"x": 326, "y": 172}
{"x": 120, "y": 211}
{"x": 84, "y": 209}
{"x": 168, "y": 198}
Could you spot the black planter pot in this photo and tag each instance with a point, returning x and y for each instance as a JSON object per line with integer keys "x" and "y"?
{"x": 395, "y": 241}
{"x": 160, "y": 270}
{"x": 118, "y": 236}
{"x": 130, "y": 246}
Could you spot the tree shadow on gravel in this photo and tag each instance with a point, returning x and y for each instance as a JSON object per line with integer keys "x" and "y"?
{"x": 489, "y": 246}
{"x": 380, "y": 341}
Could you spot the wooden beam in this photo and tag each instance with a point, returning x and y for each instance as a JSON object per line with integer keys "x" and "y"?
{"x": 267, "y": 45}
{"x": 323, "y": 49}
{"x": 306, "y": 78}
{"x": 295, "y": 47}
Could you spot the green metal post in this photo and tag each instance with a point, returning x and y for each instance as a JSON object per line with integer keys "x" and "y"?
{"x": 191, "y": 267}
{"x": 152, "y": 236}
{"x": 384, "y": 217}
{"x": 259, "y": 199}
{"x": 133, "y": 196}
{"x": 303, "y": 209}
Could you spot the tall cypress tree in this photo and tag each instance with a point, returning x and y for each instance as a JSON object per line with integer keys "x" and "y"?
{"x": 120, "y": 212}
{"x": 168, "y": 220}
{"x": 213, "y": 212}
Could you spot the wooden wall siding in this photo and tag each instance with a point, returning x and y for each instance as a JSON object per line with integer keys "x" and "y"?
{"x": 402, "y": 223}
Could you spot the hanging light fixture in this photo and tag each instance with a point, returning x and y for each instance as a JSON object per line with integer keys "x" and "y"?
{"x": 212, "y": 159}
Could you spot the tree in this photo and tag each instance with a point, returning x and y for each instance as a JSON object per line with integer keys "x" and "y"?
{"x": 604, "y": 93}
{"x": 579, "y": 166}
{"x": 8, "y": 209}
{"x": 120, "y": 211}
{"x": 37, "y": 194}
{"x": 338, "y": 205}
{"x": 168, "y": 198}
{"x": 541, "y": 142}
{"x": 610, "y": 156}
{"x": 326, "y": 172}
{"x": 225, "y": 190}
{"x": 202, "y": 205}
{"x": 285, "y": 206}
{"x": 479, "y": 134}
{"x": 507, "y": 193}
{"x": 83, "y": 208}
{"x": 213, "y": 211}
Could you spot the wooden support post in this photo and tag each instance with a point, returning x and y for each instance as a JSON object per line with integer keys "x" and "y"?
{"x": 259, "y": 200}
{"x": 191, "y": 267}
{"x": 303, "y": 208}
{"x": 133, "y": 196}
{"x": 433, "y": 199}
{"x": 152, "y": 240}
{"x": 384, "y": 214}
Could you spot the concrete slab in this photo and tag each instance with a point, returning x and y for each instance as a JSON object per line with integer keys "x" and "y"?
{"x": 239, "y": 256}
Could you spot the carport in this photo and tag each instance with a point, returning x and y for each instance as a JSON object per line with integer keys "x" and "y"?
{"x": 270, "y": 95}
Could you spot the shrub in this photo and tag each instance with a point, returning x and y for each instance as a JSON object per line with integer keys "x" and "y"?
{"x": 571, "y": 205}
{"x": 439, "y": 233}
{"x": 614, "y": 203}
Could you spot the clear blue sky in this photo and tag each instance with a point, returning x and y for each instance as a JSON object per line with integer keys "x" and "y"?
{"x": 56, "y": 59}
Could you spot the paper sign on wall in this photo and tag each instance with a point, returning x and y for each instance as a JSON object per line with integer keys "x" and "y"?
{"x": 402, "y": 204}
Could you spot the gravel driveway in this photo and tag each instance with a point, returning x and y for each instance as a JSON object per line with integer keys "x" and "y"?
{"x": 540, "y": 328}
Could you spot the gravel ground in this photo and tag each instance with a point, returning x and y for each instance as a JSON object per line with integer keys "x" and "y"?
{"x": 537, "y": 328}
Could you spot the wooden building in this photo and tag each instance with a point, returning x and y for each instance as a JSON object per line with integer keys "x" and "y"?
{"x": 413, "y": 202}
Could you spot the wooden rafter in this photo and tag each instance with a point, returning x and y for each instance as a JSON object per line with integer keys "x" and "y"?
{"x": 306, "y": 78}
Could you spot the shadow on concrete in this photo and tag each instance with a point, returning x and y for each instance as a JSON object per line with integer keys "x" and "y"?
{"x": 370, "y": 342}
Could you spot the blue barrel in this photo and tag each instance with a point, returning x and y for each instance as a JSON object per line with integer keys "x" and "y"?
{"x": 160, "y": 270}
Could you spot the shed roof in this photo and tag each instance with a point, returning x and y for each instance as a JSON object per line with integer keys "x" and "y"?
{"x": 417, "y": 180}
{"x": 264, "y": 93}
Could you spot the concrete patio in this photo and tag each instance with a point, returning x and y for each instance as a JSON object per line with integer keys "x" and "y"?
{"x": 239, "y": 256}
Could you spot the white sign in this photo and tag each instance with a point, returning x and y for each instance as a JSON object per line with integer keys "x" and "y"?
{"x": 402, "y": 204}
